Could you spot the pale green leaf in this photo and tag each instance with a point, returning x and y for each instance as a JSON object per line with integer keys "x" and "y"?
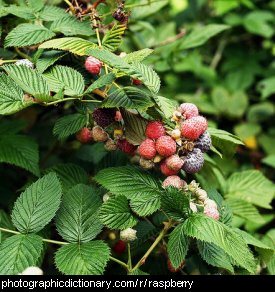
{"x": 112, "y": 39}
{"x": 48, "y": 59}
{"x": 100, "y": 82}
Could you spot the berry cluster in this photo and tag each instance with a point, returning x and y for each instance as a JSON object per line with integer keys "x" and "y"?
{"x": 199, "y": 198}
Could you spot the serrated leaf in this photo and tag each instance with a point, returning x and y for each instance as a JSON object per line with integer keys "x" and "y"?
{"x": 77, "y": 220}
{"x": 128, "y": 181}
{"x": 85, "y": 259}
{"x": 5, "y": 222}
{"x": 207, "y": 229}
{"x": 138, "y": 272}
{"x": 145, "y": 230}
{"x": 70, "y": 175}
{"x": 137, "y": 70}
{"x": 48, "y": 59}
{"x": 214, "y": 255}
{"x": 36, "y": 5}
{"x": 146, "y": 204}
{"x": 135, "y": 127}
{"x": 138, "y": 56}
{"x": 37, "y": 205}
{"x": 11, "y": 96}
{"x": 177, "y": 246}
{"x": 51, "y": 13}
{"x": 74, "y": 45}
{"x": 116, "y": 214}
{"x": 175, "y": 204}
{"x": 68, "y": 125}
{"x": 20, "y": 11}
{"x": 112, "y": 39}
{"x": 28, "y": 79}
{"x": 100, "y": 82}
{"x": 27, "y": 34}
{"x": 129, "y": 98}
{"x": 251, "y": 186}
{"x": 67, "y": 78}
{"x": 21, "y": 151}
{"x": 69, "y": 26}
{"x": 19, "y": 252}
{"x": 167, "y": 106}
{"x": 201, "y": 35}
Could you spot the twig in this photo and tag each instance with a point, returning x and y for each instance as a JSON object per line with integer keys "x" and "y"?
{"x": 170, "y": 40}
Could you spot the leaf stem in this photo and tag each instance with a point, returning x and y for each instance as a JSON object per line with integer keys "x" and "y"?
{"x": 167, "y": 226}
{"x": 23, "y": 55}
{"x": 129, "y": 257}
{"x": 2, "y": 62}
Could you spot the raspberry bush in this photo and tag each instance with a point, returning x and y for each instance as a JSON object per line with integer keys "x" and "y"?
{"x": 115, "y": 177}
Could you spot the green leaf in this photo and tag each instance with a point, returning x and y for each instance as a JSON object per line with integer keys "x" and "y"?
{"x": 145, "y": 230}
{"x": 86, "y": 259}
{"x": 5, "y": 222}
{"x": 65, "y": 77}
{"x": 12, "y": 97}
{"x": 116, "y": 214}
{"x": 68, "y": 125}
{"x": 51, "y": 13}
{"x": 175, "y": 204}
{"x": 177, "y": 246}
{"x": 69, "y": 26}
{"x": 28, "y": 79}
{"x": 48, "y": 59}
{"x": 19, "y": 252}
{"x": 138, "y": 272}
{"x": 36, "y": 5}
{"x": 245, "y": 210}
{"x": 74, "y": 45}
{"x": 201, "y": 35}
{"x": 224, "y": 141}
{"x": 21, "y": 151}
{"x": 167, "y": 106}
{"x": 27, "y": 34}
{"x": 37, "y": 205}
{"x": 20, "y": 11}
{"x": 70, "y": 175}
{"x": 251, "y": 186}
{"x": 128, "y": 181}
{"x": 207, "y": 229}
{"x": 269, "y": 160}
{"x": 77, "y": 220}
{"x": 112, "y": 39}
{"x": 138, "y": 56}
{"x": 137, "y": 70}
{"x": 214, "y": 255}
{"x": 129, "y": 98}
{"x": 11, "y": 126}
{"x": 146, "y": 204}
{"x": 135, "y": 127}
{"x": 92, "y": 153}
{"x": 260, "y": 112}
{"x": 100, "y": 82}
{"x": 267, "y": 87}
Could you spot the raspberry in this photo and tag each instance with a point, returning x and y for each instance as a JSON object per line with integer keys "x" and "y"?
{"x": 99, "y": 134}
{"x": 106, "y": 197}
{"x": 193, "y": 207}
{"x": 193, "y": 127}
{"x": 147, "y": 149}
{"x": 84, "y": 135}
{"x": 208, "y": 203}
{"x": 25, "y": 62}
{"x": 166, "y": 170}
{"x": 119, "y": 247}
{"x": 201, "y": 194}
{"x": 32, "y": 271}
{"x": 146, "y": 164}
{"x": 110, "y": 145}
{"x": 204, "y": 142}
{"x": 174, "y": 162}
{"x": 193, "y": 161}
{"x": 136, "y": 82}
{"x": 174, "y": 181}
{"x": 166, "y": 146}
{"x": 211, "y": 212}
{"x": 104, "y": 116}
{"x": 128, "y": 234}
{"x": 93, "y": 65}
{"x": 154, "y": 130}
{"x": 188, "y": 110}
{"x": 118, "y": 116}
{"x": 126, "y": 147}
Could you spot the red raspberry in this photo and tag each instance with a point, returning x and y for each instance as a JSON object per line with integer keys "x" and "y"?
{"x": 93, "y": 65}
{"x": 174, "y": 162}
{"x": 166, "y": 146}
{"x": 136, "y": 82}
{"x": 118, "y": 116}
{"x": 147, "y": 149}
{"x": 84, "y": 135}
{"x": 126, "y": 147}
{"x": 193, "y": 127}
{"x": 188, "y": 110}
{"x": 119, "y": 247}
{"x": 212, "y": 212}
{"x": 174, "y": 181}
{"x": 154, "y": 130}
{"x": 166, "y": 170}
{"x": 99, "y": 134}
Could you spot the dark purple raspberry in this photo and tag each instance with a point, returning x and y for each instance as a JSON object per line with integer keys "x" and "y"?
{"x": 193, "y": 162}
{"x": 204, "y": 142}
{"x": 104, "y": 116}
